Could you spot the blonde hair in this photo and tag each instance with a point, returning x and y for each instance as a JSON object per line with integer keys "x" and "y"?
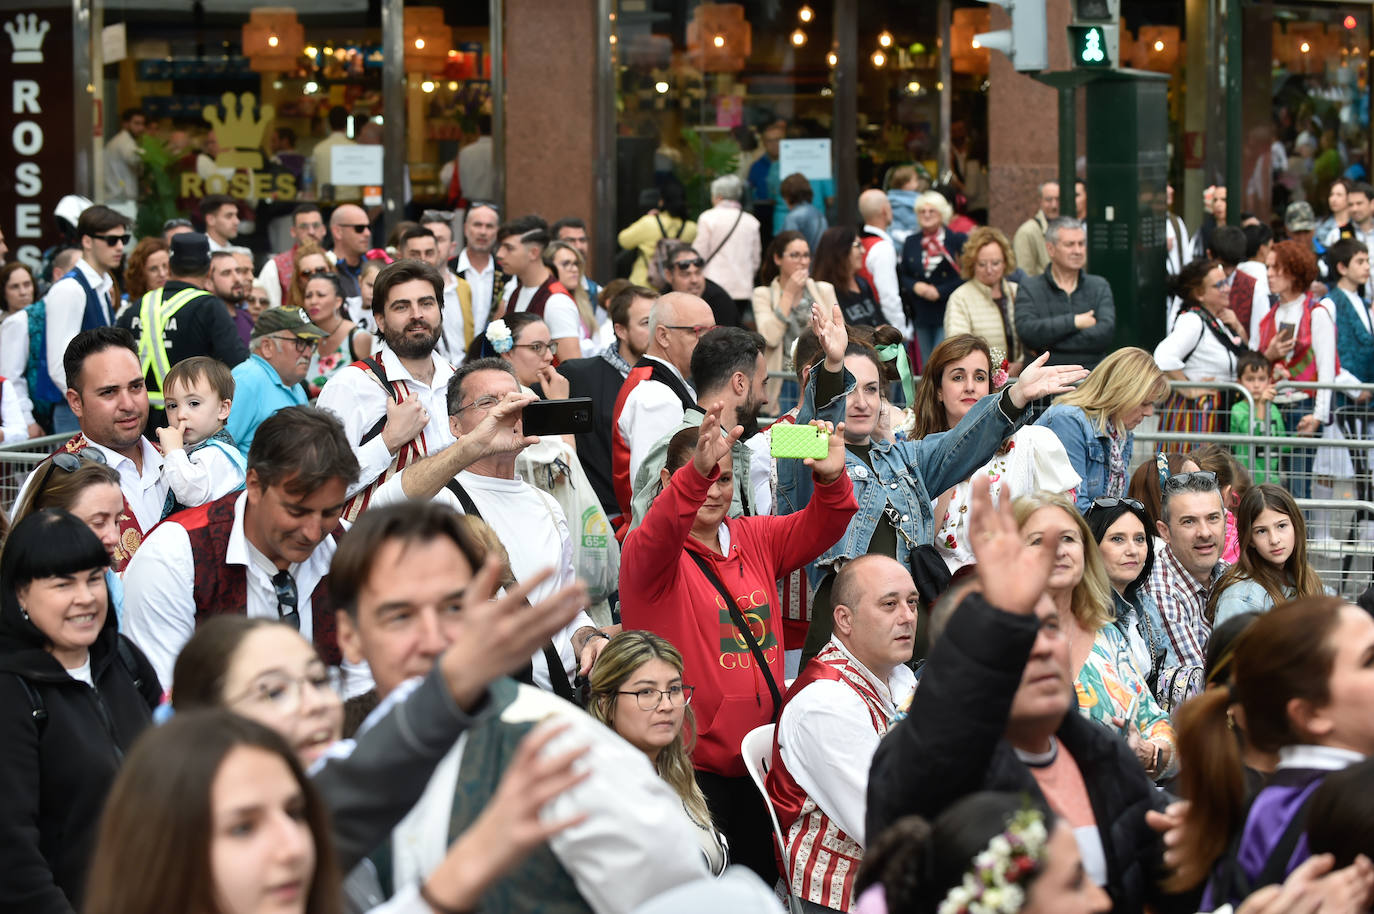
{"x": 618, "y": 661}
{"x": 935, "y": 200}
{"x": 980, "y": 238}
{"x": 1114, "y": 386}
{"x": 1092, "y": 595}
{"x": 579, "y": 294}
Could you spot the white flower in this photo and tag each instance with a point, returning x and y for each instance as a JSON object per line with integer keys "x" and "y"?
{"x": 498, "y": 334}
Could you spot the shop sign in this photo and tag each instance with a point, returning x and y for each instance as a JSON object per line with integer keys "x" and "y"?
{"x": 810, "y": 157}
{"x": 239, "y": 134}
{"x": 36, "y": 65}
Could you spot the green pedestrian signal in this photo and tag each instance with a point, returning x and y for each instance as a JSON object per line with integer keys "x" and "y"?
{"x": 1093, "y": 46}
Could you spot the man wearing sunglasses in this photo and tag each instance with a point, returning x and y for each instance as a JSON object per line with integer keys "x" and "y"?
{"x": 685, "y": 269}
{"x": 263, "y": 552}
{"x": 352, "y": 235}
{"x": 80, "y": 301}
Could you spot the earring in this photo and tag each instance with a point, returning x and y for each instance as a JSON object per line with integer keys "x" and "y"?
{"x": 25, "y": 613}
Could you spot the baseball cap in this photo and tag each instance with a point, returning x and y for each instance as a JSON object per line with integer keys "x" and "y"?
{"x": 1299, "y": 217}
{"x": 190, "y": 253}
{"x": 294, "y": 320}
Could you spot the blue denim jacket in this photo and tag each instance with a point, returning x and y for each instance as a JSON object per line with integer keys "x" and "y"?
{"x": 1089, "y": 449}
{"x": 1139, "y": 620}
{"x": 906, "y": 475}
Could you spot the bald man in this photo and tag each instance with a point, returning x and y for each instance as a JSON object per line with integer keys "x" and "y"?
{"x": 656, "y": 392}
{"x": 352, "y": 235}
{"x": 834, "y": 714}
{"x": 880, "y": 257}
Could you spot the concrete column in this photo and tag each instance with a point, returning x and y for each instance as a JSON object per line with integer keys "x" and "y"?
{"x": 549, "y": 128}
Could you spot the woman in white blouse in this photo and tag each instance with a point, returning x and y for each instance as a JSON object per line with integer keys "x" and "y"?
{"x": 1203, "y": 345}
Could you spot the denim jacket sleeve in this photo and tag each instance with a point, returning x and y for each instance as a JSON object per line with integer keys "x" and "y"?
{"x": 945, "y": 459}
{"x": 1072, "y": 429}
{"x": 794, "y": 477}
{"x": 1243, "y": 596}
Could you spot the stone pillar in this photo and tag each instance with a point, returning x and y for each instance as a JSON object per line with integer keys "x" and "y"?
{"x": 1023, "y": 127}
{"x": 550, "y": 109}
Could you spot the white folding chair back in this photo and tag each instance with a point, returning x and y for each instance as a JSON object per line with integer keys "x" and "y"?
{"x": 757, "y": 749}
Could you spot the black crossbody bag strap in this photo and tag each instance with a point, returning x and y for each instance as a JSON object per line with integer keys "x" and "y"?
{"x": 377, "y": 369}
{"x": 740, "y": 623}
{"x": 558, "y": 677}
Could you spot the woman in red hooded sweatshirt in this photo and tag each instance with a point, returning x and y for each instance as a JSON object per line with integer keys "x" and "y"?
{"x": 672, "y": 571}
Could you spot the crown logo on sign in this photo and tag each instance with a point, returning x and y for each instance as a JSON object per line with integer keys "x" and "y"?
{"x": 27, "y": 34}
{"x": 239, "y": 135}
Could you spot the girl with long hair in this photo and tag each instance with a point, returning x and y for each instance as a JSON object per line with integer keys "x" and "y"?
{"x": 310, "y": 261}
{"x": 1304, "y": 685}
{"x": 1096, "y": 421}
{"x": 345, "y": 342}
{"x": 1111, "y": 690}
{"x": 567, "y": 264}
{"x": 1272, "y": 567}
{"x": 638, "y": 691}
{"x": 958, "y": 374}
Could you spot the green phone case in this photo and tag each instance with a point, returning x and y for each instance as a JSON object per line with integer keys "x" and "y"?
{"x": 799, "y": 441}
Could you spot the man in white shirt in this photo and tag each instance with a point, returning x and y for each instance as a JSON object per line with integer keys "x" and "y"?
{"x": 520, "y": 253}
{"x": 529, "y": 522}
{"x": 122, "y": 160}
{"x": 322, "y": 158}
{"x": 109, "y": 398}
{"x": 263, "y": 552}
{"x": 475, "y": 169}
{"x": 841, "y": 705}
{"x": 221, "y": 213}
{"x": 401, "y": 574}
{"x": 476, "y": 263}
{"x": 419, "y": 242}
{"x": 656, "y": 391}
{"x": 880, "y": 257}
{"x": 81, "y": 299}
{"x": 307, "y": 224}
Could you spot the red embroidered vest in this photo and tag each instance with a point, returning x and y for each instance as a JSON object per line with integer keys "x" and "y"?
{"x": 286, "y": 268}
{"x": 130, "y": 533}
{"x": 550, "y": 286}
{"x": 822, "y": 861}
{"x": 1302, "y": 361}
{"x": 221, "y": 589}
{"x": 868, "y": 241}
{"x": 1242, "y": 295}
{"x": 646, "y": 370}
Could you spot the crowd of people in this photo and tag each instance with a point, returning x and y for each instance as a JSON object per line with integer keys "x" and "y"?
{"x": 436, "y": 576}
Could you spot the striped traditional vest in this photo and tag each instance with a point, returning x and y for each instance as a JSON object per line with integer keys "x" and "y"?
{"x": 408, "y": 453}
{"x": 822, "y": 861}
{"x": 1302, "y": 361}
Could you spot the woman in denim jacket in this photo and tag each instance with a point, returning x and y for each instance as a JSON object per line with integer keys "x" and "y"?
{"x": 893, "y": 480}
{"x": 1095, "y": 423}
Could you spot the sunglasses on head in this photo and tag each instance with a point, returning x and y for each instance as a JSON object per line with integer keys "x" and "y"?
{"x": 68, "y": 463}
{"x": 1111, "y": 501}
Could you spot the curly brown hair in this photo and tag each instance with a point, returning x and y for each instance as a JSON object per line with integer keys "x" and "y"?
{"x": 1297, "y": 262}
{"x": 134, "y": 277}
{"x": 980, "y": 238}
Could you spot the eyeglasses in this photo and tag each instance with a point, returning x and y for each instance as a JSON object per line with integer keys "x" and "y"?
{"x": 1180, "y": 481}
{"x": 539, "y": 347}
{"x": 1224, "y": 283}
{"x": 302, "y": 346}
{"x": 695, "y": 329}
{"x": 283, "y": 692}
{"x": 357, "y": 228}
{"x": 285, "y": 586}
{"x": 113, "y": 240}
{"x": 678, "y": 696}
{"x": 696, "y": 263}
{"x": 1111, "y": 501}
{"x": 486, "y": 402}
{"x": 68, "y": 463}
{"x": 316, "y": 272}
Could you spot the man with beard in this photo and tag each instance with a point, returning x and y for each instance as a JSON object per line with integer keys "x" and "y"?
{"x": 270, "y": 379}
{"x": 600, "y": 378}
{"x": 106, "y": 392}
{"x": 243, "y": 287}
{"x": 476, "y": 264}
{"x": 422, "y": 243}
{"x": 728, "y": 367}
{"x": 394, "y": 405}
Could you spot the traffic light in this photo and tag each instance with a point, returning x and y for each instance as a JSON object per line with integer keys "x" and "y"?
{"x": 1094, "y": 42}
{"x": 1024, "y": 43}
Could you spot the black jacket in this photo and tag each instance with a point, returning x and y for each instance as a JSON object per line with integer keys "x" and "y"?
{"x": 598, "y": 379}
{"x": 951, "y": 745}
{"x": 54, "y": 784}
{"x": 1045, "y": 314}
{"x": 945, "y": 277}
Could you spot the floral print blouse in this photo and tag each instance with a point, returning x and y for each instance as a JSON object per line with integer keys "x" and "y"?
{"x": 1109, "y": 682}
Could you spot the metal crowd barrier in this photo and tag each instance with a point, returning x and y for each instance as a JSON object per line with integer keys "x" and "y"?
{"x": 17, "y": 460}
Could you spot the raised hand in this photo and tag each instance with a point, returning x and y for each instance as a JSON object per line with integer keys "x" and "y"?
{"x": 1040, "y": 380}
{"x": 404, "y": 421}
{"x": 829, "y": 468}
{"x": 554, "y": 385}
{"x": 1013, "y": 573}
{"x": 831, "y": 332}
{"x": 496, "y": 433}
{"x": 711, "y": 444}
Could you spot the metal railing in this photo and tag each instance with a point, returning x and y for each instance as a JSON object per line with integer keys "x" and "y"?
{"x": 17, "y": 460}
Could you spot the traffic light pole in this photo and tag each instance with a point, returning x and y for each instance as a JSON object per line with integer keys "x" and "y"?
{"x": 1235, "y": 141}
{"x": 1066, "y": 83}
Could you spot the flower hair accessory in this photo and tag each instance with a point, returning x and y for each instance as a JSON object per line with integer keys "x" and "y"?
{"x": 498, "y": 334}
{"x": 995, "y": 884}
{"x": 1000, "y": 376}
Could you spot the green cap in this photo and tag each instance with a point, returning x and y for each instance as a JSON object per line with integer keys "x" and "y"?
{"x": 274, "y": 320}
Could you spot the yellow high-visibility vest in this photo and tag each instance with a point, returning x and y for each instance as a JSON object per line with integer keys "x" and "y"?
{"x": 153, "y": 314}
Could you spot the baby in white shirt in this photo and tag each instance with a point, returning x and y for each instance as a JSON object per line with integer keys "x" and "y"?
{"x": 200, "y": 462}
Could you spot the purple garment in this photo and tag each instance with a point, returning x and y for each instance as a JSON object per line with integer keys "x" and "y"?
{"x": 243, "y": 322}
{"x": 1274, "y": 807}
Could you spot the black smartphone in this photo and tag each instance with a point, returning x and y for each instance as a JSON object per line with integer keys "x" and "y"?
{"x": 558, "y": 417}
{"x": 1287, "y": 329}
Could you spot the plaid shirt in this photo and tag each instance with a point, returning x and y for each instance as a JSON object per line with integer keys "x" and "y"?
{"x": 1181, "y": 601}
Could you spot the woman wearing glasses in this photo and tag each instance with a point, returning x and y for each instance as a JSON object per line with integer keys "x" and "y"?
{"x": 1203, "y": 345}
{"x": 782, "y": 306}
{"x": 310, "y": 261}
{"x": 637, "y": 691}
{"x": 345, "y": 342}
{"x": 74, "y": 695}
{"x": 1111, "y": 690}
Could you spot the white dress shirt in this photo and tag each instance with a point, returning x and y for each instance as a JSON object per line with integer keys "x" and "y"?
{"x": 159, "y": 587}
{"x": 1323, "y": 346}
{"x": 66, "y": 306}
{"x": 1193, "y": 349}
{"x": 270, "y": 280}
{"x": 208, "y": 474}
{"x": 881, "y": 263}
{"x": 1260, "y": 301}
{"x": 359, "y": 402}
{"x": 14, "y": 359}
{"x": 826, "y": 739}
{"x": 145, "y": 490}
{"x": 560, "y": 311}
{"x": 451, "y": 345}
{"x": 121, "y": 168}
{"x": 635, "y": 843}
{"x": 531, "y": 525}
{"x": 481, "y": 282}
{"x": 651, "y": 411}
